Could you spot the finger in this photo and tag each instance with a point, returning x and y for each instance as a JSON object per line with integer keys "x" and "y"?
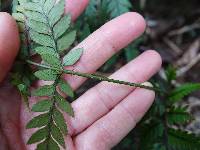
{"x": 76, "y": 7}
{"x": 102, "y": 98}
{"x": 9, "y": 115}
{"x": 105, "y": 42}
{"x": 109, "y": 130}
{"x": 3, "y": 142}
{"x": 9, "y": 43}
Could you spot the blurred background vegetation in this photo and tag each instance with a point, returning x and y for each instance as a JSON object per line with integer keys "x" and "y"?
{"x": 173, "y": 29}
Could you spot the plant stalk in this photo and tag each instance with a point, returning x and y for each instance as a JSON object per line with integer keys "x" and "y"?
{"x": 96, "y": 77}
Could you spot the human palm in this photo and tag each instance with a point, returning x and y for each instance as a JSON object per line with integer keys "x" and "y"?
{"x": 106, "y": 112}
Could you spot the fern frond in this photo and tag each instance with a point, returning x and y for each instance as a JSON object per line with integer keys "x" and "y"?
{"x": 170, "y": 73}
{"x": 91, "y": 9}
{"x": 150, "y": 133}
{"x": 181, "y": 140}
{"x": 49, "y": 31}
{"x": 178, "y": 115}
{"x": 117, "y": 7}
{"x": 157, "y": 146}
{"x": 182, "y": 91}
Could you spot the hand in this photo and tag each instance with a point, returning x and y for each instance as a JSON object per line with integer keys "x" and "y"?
{"x": 105, "y": 113}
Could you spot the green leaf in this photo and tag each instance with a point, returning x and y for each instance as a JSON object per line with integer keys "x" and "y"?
{"x": 66, "y": 41}
{"x": 183, "y": 90}
{"x": 46, "y": 90}
{"x": 42, "y": 106}
{"x": 91, "y": 9}
{"x": 150, "y": 136}
{"x": 32, "y": 15}
{"x": 42, "y": 146}
{"x": 46, "y": 74}
{"x": 72, "y": 57}
{"x": 64, "y": 105}
{"x": 170, "y": 73}
{"x": 56, "y": 12}
{"x": 38, "y": 26}
{"x": 131, "y": 53}
{"x": 42, "y": 39}
{"x": 38, "y": 121}
{"x": 19, "y": 9}
{"x": 112, "y": 61}
{"x": 57, "y": 135}
{"x": 41, "y": 2}
{"x": 62, "y": 26}
{"x": 132, "y": 50}
{"x": 19, "y": 17}
{"x": 51, "y": 59}
{"x": 38, "y": 136}
{"x": 22, "y": 87}
{"x": 48, "y": 5}
{"x": 178, "y": 115}
{"x": 181, "y": 140}
{"x": 50, "y": 143}
{"x": 60, "y": 121}
{"x": 86, "y": 31}
{"x": 22, "y": 1}
{"x": 32, "y": 7}
{"x": 117, "y": 7}
{"x": 43, "y": 50}
{"x": 66, "y": 88}
{"x": 158, "y": 146}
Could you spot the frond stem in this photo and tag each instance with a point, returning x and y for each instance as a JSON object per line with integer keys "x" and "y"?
{"x": 96, "y": 77}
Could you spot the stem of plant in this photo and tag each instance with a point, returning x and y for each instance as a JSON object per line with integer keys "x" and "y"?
{"x": 96, "y": 77}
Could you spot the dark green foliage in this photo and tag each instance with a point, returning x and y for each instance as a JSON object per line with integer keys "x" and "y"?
{"x": 182, "y": 140}
{"x": 185, "y": 89}
{"x": 178, "y": 115}
{"x": 117, "y": 7}
{"x": 160, "y": 128}
{"x": 150, "y": 133}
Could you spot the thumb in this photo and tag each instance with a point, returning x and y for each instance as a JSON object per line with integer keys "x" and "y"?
{"x": 9, "y": 43}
